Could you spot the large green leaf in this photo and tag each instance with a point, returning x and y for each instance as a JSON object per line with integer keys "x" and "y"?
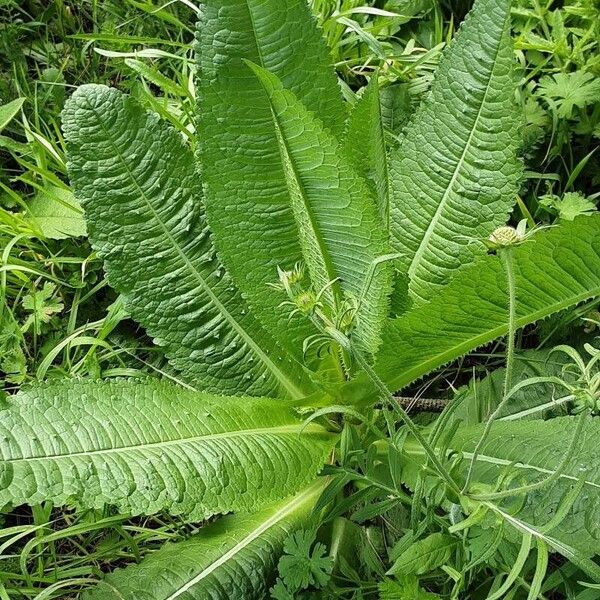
{"x": 535, "y": 449}
{"x": 247, "y": 197}
{"x": 232, "y": 558}
{"x": 143, "y": 203}
{"x": 340, "y": 231}
{"x": 556, "y": 269}
{"x": 481, "y": 397}
{"x": 454, "y": 173}
{"x": 151, "y": 446}
{"x": 364, "y": 143}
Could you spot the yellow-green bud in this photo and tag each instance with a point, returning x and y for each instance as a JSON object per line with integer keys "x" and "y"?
{"x": 504, "y": 236}
{"x": 306, "y": 302}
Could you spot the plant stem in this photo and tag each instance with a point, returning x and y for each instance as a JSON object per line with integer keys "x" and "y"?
{"x": 326, "y": 326}
{"x": 412, "y": 427}
{"x": 507, "y": 260}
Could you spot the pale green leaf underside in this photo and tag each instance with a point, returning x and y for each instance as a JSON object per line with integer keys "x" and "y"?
{"x": 556, "y": 269}
{"x": 143, "y": 202}
{"x": 455, "y": 171}
{"x": 247, "y": 197}
{"x": 536, "y": 448}
{"x": 340, "y": 230}
{"x": 57, "y": 213}
{"x": 232, "y": 558}
{"x": 151, "y": 446}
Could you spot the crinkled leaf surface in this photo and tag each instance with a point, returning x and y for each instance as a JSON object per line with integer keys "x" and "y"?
{"x": 143, "y": 202}
{"x": 364, "y": 143}
{"x": 555, "y": 269}
{"x": 340, "y": 231}
{"x": 455, "y": 171}
{"x": 247, "y": 197}
{"x": 151, "y": 446}
{"x": 232, "y": 558}
{"x": 396, "y": 107}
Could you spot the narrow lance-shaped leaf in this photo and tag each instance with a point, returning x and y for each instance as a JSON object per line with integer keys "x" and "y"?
{"x": 340, "y": 231}
{"x": 150, "y": 446}
{"x": 232, "y": 558}
{"x": 364, "y": 143}
{"x": 556, "y": 269}
{"x": 143, "y": 203}
{"x": 247, "y": 197}
{"x": 455, "y": 171}
{"x": 8, "y": 111}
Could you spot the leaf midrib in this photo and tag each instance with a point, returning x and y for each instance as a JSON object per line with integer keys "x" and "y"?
{"x": 423, "y": 245}
{"x": 526, "y": 466}
{"x": 326, "y": 259}
{"x": 279, "y": 430}
{"x": 284, "y": 380}
{"x": 528, "y": 528}
{"x": 281, "y": 514}
{"x": 387, "y": 178}
{"x": 321, "y": 245}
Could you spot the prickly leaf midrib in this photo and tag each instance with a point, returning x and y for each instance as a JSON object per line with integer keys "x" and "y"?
{"x": 340, "y": 229}
{"x": 148, "y": 446}
{"x": 417, "y": 258}
{"x": 249, "y": 211}
{"x": 283, "y": 513}
{"x": 165, "y": 265}
{"x": 182, "y": 441}
{"x": 491, "y": 334}
{"x": 320, "y": 264}
{"x": 553, "y": 271}
{"x": 454, "y": 175}
{"x": 232, "y": 558}
{"x": 288, "y": 384}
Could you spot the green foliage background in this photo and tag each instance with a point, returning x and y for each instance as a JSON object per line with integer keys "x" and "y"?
{"x": 59, "y": 318}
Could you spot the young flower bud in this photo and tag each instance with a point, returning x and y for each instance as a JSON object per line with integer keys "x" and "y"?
{"x": 587, "y": 400}
{"x": 306, "y": 302}
{"x": 504, "y": 236}
{"x": 289, "y": 280}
